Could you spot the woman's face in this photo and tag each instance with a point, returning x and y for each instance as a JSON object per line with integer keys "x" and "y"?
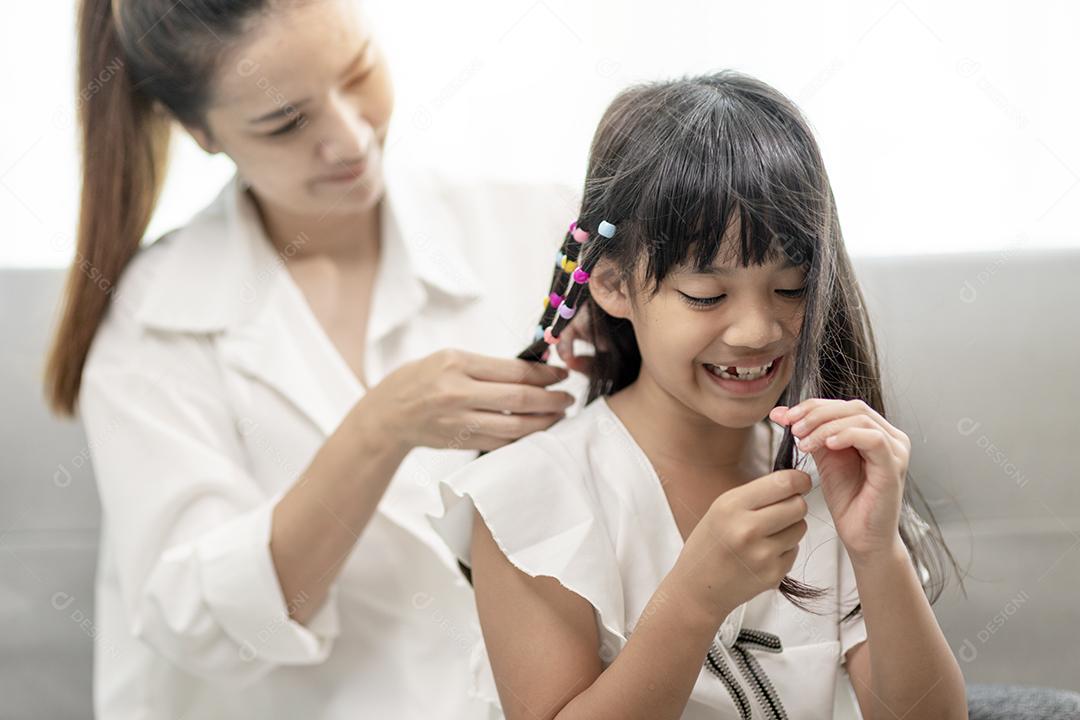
{"x": 302, "y": 107}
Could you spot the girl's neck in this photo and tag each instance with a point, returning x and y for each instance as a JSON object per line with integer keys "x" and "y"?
{"x": 684, "y": 446}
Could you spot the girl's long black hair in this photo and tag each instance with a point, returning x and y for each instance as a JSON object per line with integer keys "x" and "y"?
{"x": 673, "y": 164}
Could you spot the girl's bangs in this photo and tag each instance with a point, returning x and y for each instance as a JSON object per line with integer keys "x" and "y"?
{"x": 707, "y": 197}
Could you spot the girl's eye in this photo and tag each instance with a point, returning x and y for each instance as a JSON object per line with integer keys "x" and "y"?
{"x": 710, "y": 301}
{"x": 701, "y": 302}
{"x": 298, "y": 121}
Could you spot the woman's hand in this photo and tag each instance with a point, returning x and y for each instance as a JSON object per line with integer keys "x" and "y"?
{"x": 579, "y": 329}
{"x": 457, "y": 399}
{"x": 862, "y": 461}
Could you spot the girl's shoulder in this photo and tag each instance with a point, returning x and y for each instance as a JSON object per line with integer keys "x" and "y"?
{"x": 540, "y": 499}
{"x": 554, "y": 463}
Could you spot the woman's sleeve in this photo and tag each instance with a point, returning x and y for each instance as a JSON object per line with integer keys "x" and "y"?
{"x": 545, "y": 520}
{"x": 187, "y": 525}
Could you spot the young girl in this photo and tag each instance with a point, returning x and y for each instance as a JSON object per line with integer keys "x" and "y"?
{"x": 658, "y": 555}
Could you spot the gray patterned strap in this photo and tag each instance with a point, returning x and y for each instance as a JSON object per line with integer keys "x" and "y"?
{"x": 748, "y": 665}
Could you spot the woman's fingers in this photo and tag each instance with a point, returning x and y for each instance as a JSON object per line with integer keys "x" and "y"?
{"x": 502, "y": 370}
{"x": 565, "y": 350}
{"x": 506, "y": 397}
{"x": 501, "y": 429}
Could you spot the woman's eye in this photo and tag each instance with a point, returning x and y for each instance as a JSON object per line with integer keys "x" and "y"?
{"x": 362, "y": 77}
{"x": 797, "y": 293}
{"x": 298, "y": 121}
{"x": 701, "y": 302}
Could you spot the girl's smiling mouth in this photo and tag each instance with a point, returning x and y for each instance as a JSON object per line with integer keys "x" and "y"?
{"x": 744, "y": 380}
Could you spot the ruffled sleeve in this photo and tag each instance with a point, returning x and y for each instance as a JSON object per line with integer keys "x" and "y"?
{"x": 542, "y": 513}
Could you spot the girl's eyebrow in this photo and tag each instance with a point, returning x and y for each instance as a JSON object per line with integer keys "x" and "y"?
{"x": 723, "y": 271}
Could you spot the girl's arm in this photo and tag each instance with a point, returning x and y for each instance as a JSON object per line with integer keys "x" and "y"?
{"x": 543, "y": 645}
{"x": 862, "y": 459}
{"x": 905, "y": 668}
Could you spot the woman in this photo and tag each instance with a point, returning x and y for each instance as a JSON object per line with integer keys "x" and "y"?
{"x": 265, "y": 392}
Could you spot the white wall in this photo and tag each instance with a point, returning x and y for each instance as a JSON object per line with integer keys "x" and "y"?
{"x": 945, "y": 126}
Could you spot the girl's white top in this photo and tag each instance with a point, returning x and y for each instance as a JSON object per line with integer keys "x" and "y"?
{"x": 208, "y": 390}
{"x": 580, "y": 502}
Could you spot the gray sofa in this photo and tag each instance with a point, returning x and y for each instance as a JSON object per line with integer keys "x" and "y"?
{"x": 979, "y": 355}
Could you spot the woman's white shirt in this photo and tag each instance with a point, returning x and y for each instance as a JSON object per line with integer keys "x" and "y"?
{"x": 209, "y": 388}
{"x": 581, "y": 502}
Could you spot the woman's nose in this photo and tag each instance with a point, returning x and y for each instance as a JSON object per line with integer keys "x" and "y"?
{"x": 346, "y": 137}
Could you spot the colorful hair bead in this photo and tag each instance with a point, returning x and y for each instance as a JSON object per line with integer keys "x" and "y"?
{"x": 573, "y": 226}
{"x": 538, "y": 333}
{"x": 568, "y": 265}
{"x": 549, "y": 338}
{"x": 556, "y": 299}
{"x": 566, "y": 312}
{"x": 560, "y": 257}
{"x": 606, "y": 229}
{"x": 547, "y": 301}
{"x": 580, "y": 276}
{"x": 580, "y": 235}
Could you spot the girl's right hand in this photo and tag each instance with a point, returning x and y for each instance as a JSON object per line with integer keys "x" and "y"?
{"x": 745, "y": 544}
{"x": 461, "y": 400}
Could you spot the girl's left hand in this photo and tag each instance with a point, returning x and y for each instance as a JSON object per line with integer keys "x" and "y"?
{"x": 862, "y": 461}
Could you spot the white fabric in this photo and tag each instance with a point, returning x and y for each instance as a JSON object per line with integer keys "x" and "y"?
{"x": 208, "y": 390}
{"x": 581, "y": 503}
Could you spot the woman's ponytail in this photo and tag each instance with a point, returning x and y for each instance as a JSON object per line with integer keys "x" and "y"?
{"x": 125, "y": 141}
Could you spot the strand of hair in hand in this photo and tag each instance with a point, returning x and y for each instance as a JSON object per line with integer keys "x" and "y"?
{"x": 567, "y": 286}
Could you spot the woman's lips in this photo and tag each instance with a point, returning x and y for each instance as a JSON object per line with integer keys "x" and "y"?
{"x": 350, "y": 173}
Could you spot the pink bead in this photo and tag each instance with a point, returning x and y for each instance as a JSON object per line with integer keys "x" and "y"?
{"x": 580, "y": 235}
{"x": 556, "y": 299}
{"x": 580, "y": 276}
{"x": 549, "y": 338}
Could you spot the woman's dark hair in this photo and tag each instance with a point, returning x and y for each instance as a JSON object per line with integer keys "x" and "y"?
{"x": 141, "y": 64}
{"x": 674, "y": 165}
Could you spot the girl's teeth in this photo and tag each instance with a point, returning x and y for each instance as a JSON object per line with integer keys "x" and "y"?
{"x": 743, "y": 373}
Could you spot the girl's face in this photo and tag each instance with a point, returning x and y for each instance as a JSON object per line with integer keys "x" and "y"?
{"x": 729, "y": 316}
{"x": 302, "y": 107}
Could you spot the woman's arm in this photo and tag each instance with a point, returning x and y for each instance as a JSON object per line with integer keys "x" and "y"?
{"x": 450, "y": 398}
{"x": 905, "y": 668}
{"x": 318, "y": 521}
{"x": 543, "y": 646}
